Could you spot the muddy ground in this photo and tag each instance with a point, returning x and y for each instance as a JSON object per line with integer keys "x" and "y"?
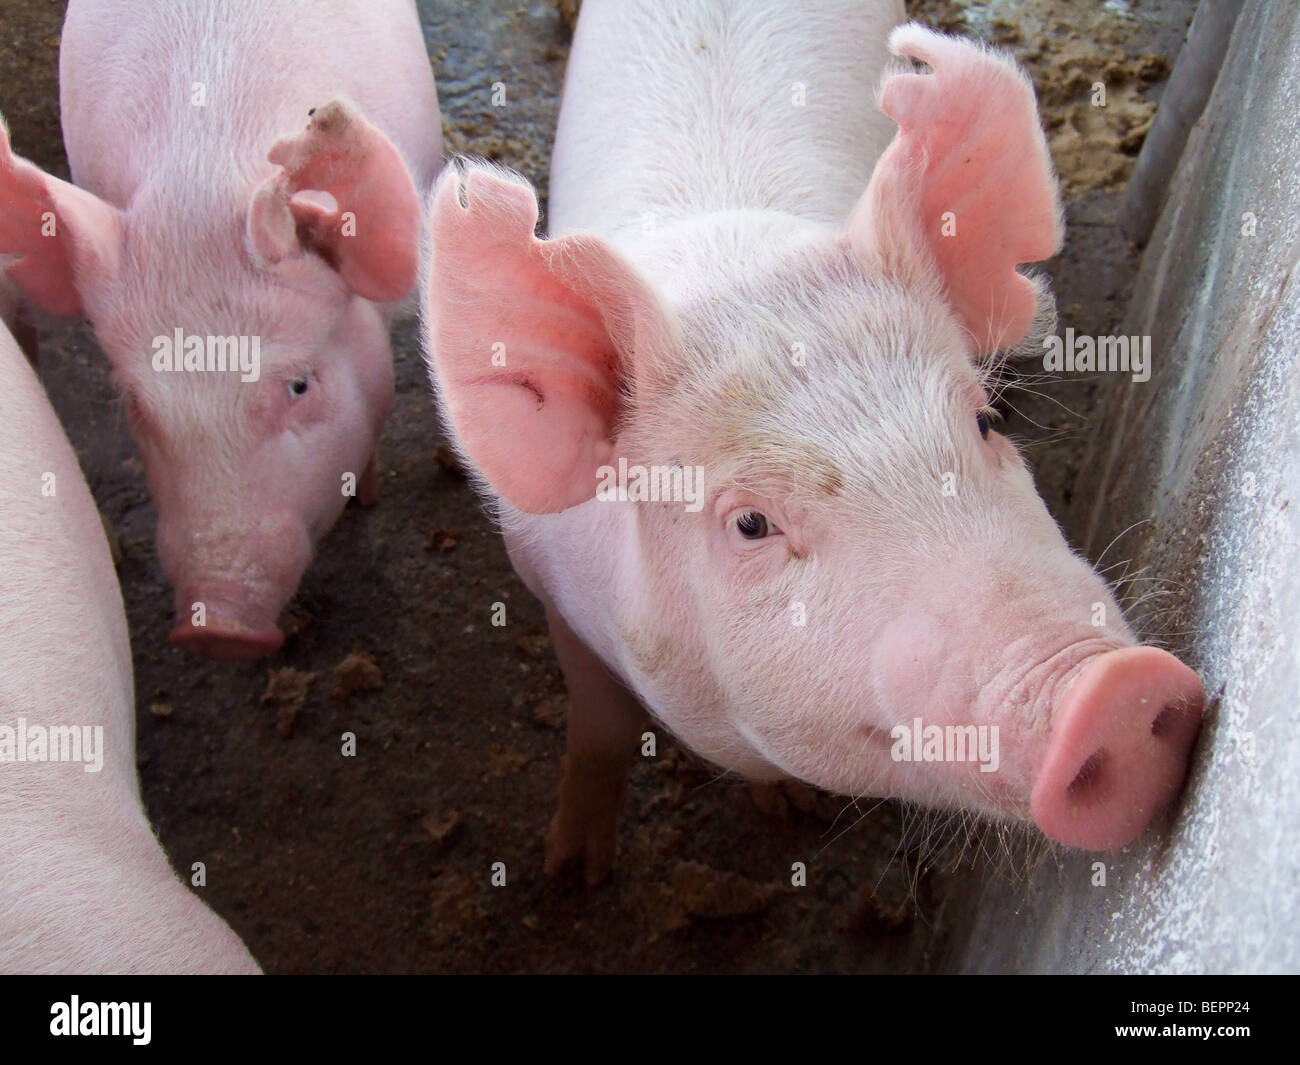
{"x": 381, "y": 862}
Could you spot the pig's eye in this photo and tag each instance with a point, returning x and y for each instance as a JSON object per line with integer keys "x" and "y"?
{"x": 984, "y": 421}
{"x": 298, "y": 387}
{"x": 752, "y": 525}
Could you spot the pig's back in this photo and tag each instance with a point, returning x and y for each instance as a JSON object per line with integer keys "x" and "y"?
{"x": 676, "y": 107}
{"x": 63, "y": 637}
{"x": 130, "y": 71}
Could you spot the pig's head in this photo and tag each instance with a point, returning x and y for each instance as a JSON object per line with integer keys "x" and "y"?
{"x": 871, "y": 561}
{"x": 248, "y": 466}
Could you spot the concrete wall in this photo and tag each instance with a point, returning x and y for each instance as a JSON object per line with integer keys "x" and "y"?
{"x": 1207, "y": 455}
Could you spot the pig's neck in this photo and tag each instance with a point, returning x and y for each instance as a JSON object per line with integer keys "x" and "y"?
{"x": 596, "y": 562}
{"x": 590, "y": 563}
{"x": 708, "y": 255}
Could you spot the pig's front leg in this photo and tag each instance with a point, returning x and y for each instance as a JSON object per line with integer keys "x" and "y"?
{"x": 604, "y": 723}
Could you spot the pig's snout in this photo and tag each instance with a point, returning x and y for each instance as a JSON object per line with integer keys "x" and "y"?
{"x": 231, "y": 588}
{"x": 1121, "y": 737}
{"x": 231, "y": 632}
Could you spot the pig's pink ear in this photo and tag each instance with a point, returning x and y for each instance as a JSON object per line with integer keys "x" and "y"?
{"x": 61, "y": 235}
{"x": 966, "y": 187}
{"x": 534, "y": 343}
{"x": 344, "y": 192}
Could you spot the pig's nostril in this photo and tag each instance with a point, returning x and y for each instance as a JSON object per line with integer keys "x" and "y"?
{"x": 1119, "y": 747}
{"x": 1086, "y": 780}
{"x": 878, "y": 737}
{"x": 1165, "y": 721}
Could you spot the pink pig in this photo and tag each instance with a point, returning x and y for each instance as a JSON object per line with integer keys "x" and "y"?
{"x": 84, "y": 885}
{"x": 247, "y": 174}
{"x": 747, "y": 278}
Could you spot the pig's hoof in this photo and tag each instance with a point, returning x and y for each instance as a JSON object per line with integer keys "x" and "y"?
{"x": 572, "y": 840}
{"x": 585, "y": 826}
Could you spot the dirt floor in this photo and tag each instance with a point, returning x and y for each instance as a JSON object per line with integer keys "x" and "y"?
{"x": 382, "y": 862}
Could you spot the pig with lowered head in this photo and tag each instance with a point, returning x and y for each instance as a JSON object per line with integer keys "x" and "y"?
{"x": 245, "y": 172}
{"x": 747, "y": 276}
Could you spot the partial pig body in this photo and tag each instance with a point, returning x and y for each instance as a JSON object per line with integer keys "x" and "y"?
{"x": 753, "y": 272}
{"x": 249, "y": 172}
{"x": 746, "y": 107}
{"x": 84, "y": 885}
{"x": 181, "y": 102}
